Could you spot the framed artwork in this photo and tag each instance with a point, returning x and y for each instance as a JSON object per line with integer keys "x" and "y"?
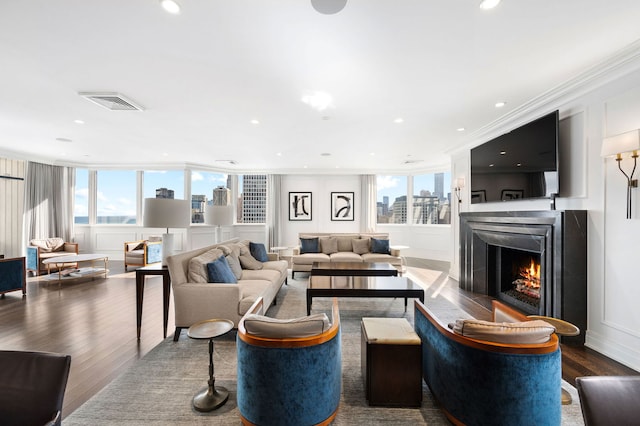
{"x": 342, "y": 206}
{"x": 299, "y": 206}
{"x": 511, "y": 194}
{"x": 479, "y": 196}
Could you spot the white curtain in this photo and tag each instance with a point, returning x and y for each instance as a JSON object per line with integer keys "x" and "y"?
{"x": 369, "y": 204}
{"x": 274, "y": 213}
{"x": 48, "y": 201}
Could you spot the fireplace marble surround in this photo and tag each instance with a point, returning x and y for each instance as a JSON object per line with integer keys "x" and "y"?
{"x": 559, "y": 238}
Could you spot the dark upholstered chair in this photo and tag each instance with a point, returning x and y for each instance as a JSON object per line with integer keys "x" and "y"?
{"x": 289, "y": 381}
{"x": 479, "y": 382}
{"x": 609, "y": 400}
{"x": 13, "y": 275}
{"x": 32, "y": 386}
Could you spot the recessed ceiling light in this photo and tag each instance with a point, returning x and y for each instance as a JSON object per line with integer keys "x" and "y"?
{"x": 63, "y": 140}
{"x": 78, "y": 121}
{"x": 170, "y": 6}
{"x": 372, "y": 154}
{"x": 279, "y": 154}
{"x": 489, "y": 4}
{"x": 500, "y": 104}
{"x": 305, "y": 166}
{"x": 325, "y": 154}
{"x": 165, "y": 154}
{"x": 399, "y": 120}
{"x": 461, "y": 129}
{"x": 254, "y": 121}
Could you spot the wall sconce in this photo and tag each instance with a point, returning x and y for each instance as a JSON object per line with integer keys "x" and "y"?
{"x": 458, "y": 188}
{"x": 621, "y": 144}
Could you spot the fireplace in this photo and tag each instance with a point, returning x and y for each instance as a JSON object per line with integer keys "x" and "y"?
{"x": 533, "y": 261}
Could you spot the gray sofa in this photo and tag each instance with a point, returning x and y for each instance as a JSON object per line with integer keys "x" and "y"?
{"x": 195, "y": 299}
{"x": 341, "y": 247}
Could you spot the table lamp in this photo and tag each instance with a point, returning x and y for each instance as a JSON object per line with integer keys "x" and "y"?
{"x": 166, "y": 213}
{"x": 218, "y": 216}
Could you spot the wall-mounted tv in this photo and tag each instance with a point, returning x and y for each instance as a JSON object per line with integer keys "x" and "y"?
{"x": 520, "y": 164}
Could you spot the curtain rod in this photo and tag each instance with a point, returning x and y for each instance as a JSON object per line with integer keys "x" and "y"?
{"x": 11, "y": 177}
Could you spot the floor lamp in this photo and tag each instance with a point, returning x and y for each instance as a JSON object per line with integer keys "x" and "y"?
{"x": 218, "y": 216}
{"x": 166, "y": 213}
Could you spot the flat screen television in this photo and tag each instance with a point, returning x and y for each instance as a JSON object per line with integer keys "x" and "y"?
{"x": 521, "y": 164}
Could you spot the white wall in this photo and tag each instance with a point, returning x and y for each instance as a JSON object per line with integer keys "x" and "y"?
{"x": 608, "y": 105}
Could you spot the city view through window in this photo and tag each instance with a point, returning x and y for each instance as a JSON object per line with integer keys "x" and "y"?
{"x": 430, "y": 204}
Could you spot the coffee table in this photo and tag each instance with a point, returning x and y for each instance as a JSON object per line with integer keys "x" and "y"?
{"x": 359, "y": 286}
{"x": 369, "y": 269}
{"x": 60, "y": 262}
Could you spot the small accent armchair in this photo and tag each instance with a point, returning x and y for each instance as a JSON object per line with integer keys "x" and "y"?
{"x": 32, "y": 386}
{"x": 482, "y": 382}
{"x": 142, "y": 253}
{"x": 289, "y": 380}
{"x": 41, "y": 249}
{"x": 13, "y": 275}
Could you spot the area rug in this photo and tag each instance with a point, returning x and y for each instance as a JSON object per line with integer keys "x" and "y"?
{"x": 159, "y": 388}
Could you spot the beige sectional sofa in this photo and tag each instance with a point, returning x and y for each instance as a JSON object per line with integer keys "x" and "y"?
{"x": 341, "y": 247}
{"x": 196, "y": 299}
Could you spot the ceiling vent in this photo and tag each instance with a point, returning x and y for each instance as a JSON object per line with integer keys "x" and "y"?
{"x": 112, "y": 101}
{"x": 412, "y": 161}
{"x": 227, "y": 162}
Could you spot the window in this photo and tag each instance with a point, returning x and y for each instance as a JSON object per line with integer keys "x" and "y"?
{"x": 116, "y": 197}
{"x": 252, "y": 201}
{"x": 81, "y": 203}
{"x": 207, "y": 188}
{"x": 163, "y": 184}
{"x": 431, "y": 204}
{"x": 392, "y": 199}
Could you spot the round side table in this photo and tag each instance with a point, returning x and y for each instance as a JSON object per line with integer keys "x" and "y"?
{"x": 563, "y": 328}
{"x": 210, "y": 398}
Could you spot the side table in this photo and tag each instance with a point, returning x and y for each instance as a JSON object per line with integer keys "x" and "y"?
{"x": 210, "y": 398}
{"x": 141, "y": 273}
{"x": 563, "y": 328}
{"x": 403, "y": 259}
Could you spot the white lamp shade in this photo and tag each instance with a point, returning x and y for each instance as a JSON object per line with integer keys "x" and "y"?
{"x": 460, "y": 183}
{"x": 166, "y": 213}
{"x": 619, "y": 144}
{"x": 218, "y": 215}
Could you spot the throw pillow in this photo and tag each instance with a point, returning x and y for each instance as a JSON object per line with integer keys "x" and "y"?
{"x": 308, "y": 245}
{"x": 259, "y": 251}
{"x": 380, "y": 246}
{"x": 329, "y": 245}
{"x": 249, "y": 262}
{"x": 262, "y": 326}
{"x": 234, "y": 263}
{"x": 526, "y": 332}
{"x": 42, "y": 244}
{"x": 198, "y": 265}
{"x": 56, "y": 243}
{"x": 220, "y": 272}
{"x": 360, "y": 246}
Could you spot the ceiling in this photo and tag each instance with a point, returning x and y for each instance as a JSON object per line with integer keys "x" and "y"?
{"x": 202, "y": 76}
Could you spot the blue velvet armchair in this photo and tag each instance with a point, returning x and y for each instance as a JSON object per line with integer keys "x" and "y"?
{"x": 289, "y": 381}
{"x": 478, "y": 382}
{"x": 13, "y": 275}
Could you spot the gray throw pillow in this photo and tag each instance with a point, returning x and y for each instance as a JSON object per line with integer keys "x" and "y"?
{"x": 360, "y": 246}
{"x": 329, "y": 245}
{"x": 249, "y": 262}
{"x": 234, "y": 263}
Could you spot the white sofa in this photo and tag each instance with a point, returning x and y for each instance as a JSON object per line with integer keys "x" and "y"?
{"x": 195, "y": 299}
{"x": 342, "y": 247}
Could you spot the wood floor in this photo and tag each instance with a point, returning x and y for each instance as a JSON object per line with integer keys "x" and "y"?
{"x": 95, "y": 322}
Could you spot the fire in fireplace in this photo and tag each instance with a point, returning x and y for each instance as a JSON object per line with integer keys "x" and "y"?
{"x": 520, "y": 280}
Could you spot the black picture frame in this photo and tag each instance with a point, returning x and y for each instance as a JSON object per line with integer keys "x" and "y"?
{"x": 300, "y": 206}
{"x": 511, "y": 194}
{"x": 342, "y": 206}
{"x": 478, "y": 196}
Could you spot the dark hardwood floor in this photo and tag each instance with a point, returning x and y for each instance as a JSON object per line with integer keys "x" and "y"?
{"x": 95, "y": 322}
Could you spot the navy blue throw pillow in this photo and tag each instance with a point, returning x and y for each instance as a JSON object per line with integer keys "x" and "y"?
{"x": 308, "y": 245}
{"x": 259, "y": 251}
{"x": 219, "y": 271}
{"x": 380, "y": 246}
